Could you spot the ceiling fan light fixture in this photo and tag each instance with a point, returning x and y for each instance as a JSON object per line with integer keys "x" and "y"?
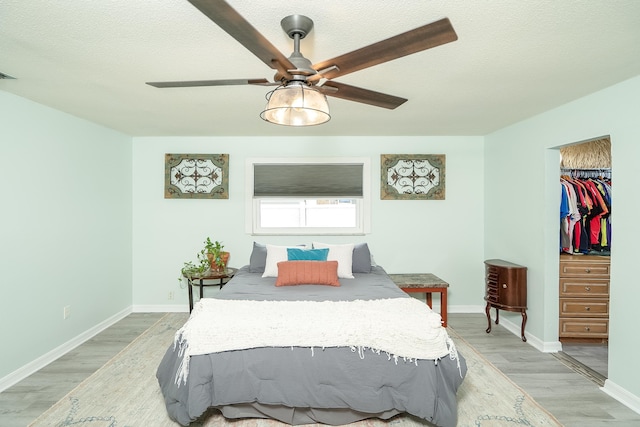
{"x": 296, "y": 104}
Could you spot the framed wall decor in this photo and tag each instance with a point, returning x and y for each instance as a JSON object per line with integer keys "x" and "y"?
{"x": 196, "y": 176}
{"x": 412, "y": 176}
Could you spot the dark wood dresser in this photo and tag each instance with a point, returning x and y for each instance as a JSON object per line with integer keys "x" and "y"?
{"x": 584, "y": 298}
{"x": 506, "y": 289}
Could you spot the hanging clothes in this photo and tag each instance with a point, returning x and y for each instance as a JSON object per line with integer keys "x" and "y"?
{"x": 585, "y": 211}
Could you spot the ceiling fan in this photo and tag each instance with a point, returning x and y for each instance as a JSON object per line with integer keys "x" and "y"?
{"x": 302, "y": 79}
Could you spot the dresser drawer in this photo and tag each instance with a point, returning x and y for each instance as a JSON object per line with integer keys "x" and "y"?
{"x": 584, "y": 328}
{"x": 584, "y": 307}
{"x": 584, "y": 297}
{"x": 584, "y": 288}
{"x": 598, "y": 270}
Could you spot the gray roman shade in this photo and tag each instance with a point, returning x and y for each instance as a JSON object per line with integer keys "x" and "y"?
{"x": 307, "y": 180}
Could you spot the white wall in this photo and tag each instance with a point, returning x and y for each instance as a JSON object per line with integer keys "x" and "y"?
{"x": 443, "y": 237}
{"x": 65, "y": 227}
{"x": 522, "y": 204}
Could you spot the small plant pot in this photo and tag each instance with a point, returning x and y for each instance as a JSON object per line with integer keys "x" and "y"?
{"x": 224, "y": 256}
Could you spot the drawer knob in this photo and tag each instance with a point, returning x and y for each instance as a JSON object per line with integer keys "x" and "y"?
{"x": 587, "y": 308}
{"x": 586, "y": 328}
{"x": 504, "y": 286}
{"x": 588, "y": 270}
{"x": 587, "y": 288}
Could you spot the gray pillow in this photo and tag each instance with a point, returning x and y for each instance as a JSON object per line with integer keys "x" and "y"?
{"x": 258, "y": 259}
{"x": 361, "y": 262}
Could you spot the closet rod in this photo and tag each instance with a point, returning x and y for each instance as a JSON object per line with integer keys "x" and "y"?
{"x": 585, "y": 169}
{"x": 587, "y": 173}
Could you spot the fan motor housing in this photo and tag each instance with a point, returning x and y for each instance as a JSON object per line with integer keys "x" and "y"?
{"x": 296, "y": 24}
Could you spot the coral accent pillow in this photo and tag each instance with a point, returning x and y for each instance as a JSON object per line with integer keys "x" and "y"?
{"x": 307, "y": 273}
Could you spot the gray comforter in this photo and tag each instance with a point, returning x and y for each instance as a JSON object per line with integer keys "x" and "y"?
{"x": 300, "y": 386}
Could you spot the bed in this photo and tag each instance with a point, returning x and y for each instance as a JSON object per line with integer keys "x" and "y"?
{"x": 314, "y": 349}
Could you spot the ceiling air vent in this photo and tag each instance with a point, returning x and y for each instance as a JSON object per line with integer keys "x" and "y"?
{"x": 5, "y": 76}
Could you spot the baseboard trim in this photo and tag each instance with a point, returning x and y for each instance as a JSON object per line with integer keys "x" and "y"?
{"x": 175, "y": 308}
{"x": 42, "y": 361}
{"x": 622, "y": 395}
{"x": 466, "y": 309}
{"x": 532, "y": 340}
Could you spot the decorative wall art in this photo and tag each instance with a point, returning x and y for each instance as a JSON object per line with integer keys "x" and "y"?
{"x": 196, "y": 176}
{"x": 412, "y": 176}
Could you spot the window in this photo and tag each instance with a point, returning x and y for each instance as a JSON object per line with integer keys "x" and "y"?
{"x": 308, "y": 196}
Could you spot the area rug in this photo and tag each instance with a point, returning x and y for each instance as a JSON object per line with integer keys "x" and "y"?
{"x": 125, "y": 393}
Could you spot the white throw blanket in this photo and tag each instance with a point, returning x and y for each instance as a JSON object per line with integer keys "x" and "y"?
{"x": 400, "y": 327}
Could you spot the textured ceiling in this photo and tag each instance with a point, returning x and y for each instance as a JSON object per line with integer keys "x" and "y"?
{"x": 512, "y": 60}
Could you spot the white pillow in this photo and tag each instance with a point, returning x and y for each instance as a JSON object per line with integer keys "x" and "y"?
{"x": 275, "y": 254}
{"x": 341, "y": 253}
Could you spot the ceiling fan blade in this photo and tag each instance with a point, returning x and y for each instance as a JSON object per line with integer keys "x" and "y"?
{"x": 352, "y": 93}
{"x": 422, "y": 38}
{"x": 237, "y": 27}
{"x": 195, "y": 83}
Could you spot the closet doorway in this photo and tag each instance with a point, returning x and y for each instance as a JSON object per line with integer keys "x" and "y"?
{"x": 585, "y": 254}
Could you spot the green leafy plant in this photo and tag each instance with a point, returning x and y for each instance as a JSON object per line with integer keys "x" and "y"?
{"x": 212, "y": 253}
{"x": 190, "y": 268}
{"x": 216, "y": 250}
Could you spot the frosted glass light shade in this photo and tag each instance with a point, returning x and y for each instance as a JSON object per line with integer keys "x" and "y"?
{"x": 296, "y": 105}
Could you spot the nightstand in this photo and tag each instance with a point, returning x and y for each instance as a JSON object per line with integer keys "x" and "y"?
{"x": 210, "y": 278}
{"x": 505, "y": 289}
{"x": 425, "y": 283}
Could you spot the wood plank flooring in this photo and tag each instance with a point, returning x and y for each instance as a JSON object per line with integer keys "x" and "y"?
{"x": 26, "y": 400}
{"x": 595, "y": 356}
{"x": 573, "y": 399}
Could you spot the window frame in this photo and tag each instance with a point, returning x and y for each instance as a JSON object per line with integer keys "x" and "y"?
{"x": 363, "y": 205}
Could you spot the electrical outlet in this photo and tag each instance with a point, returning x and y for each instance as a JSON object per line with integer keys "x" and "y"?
{"x": 170, "y": 296}
{"x": 66, "y": 312}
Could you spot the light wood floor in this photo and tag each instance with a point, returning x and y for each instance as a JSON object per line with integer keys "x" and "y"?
{"x": 573, "y": 399}
{"x": 25, "y": 401}
{"x": 570, "y": 397}
{"x": 595, "y": 356}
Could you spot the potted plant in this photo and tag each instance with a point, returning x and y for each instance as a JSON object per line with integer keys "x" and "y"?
{"x": 217, "y": 256}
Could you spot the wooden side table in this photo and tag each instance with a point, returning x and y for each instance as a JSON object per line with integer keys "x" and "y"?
{"x": 426, "y": 283}
{"x": 216, "y": 278}
{"x": 505, "y": 289}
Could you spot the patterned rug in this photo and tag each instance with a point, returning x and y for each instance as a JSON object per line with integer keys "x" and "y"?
{"x": 125, "y": 392}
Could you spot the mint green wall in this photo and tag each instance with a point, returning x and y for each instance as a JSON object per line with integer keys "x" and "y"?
{"x": 85, "y": 222}
{"x": 65, "y": 227}
{"x": 522, "y": 198}
{"x": 442, "y": 236}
